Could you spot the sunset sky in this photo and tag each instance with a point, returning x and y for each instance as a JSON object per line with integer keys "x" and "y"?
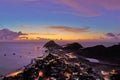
{"x": 60, "y": 19}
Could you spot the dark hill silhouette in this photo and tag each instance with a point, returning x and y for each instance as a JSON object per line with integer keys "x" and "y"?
{"x": 52, "y": 44}
{"x": 114, "y": 51}
{"x": 111, "y": 53}
{"x": 95, "y": 51}
{"x": 73, "y": 46}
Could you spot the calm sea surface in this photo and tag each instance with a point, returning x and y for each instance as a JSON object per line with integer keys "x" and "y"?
{"x": 15, "y": 55}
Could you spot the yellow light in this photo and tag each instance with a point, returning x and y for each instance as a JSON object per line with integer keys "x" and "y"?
{"x": 40, "y": 73}
{"x": 67, "y": 74}
{"x": 14, "y": 73}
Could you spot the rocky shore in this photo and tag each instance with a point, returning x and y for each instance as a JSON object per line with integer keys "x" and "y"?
{"x": 64, "y": 63}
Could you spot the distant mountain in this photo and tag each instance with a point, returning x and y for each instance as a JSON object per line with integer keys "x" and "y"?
{"x": 52, "y": 44}
{"x": 114, "y": 51}
{"x": 72, "y": 47}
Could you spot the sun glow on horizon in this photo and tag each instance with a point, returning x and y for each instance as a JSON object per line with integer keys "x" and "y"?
{"x": 59, "y": 37}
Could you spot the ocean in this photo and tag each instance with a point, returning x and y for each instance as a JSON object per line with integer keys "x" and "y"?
{"x": 16, "y": 55}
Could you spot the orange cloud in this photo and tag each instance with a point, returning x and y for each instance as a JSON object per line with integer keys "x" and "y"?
{"x": 40, "y": 34}
{"x": 69, "y": 29}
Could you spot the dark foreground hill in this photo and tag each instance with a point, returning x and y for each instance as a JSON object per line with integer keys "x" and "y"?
{"x": 101, "y": 52}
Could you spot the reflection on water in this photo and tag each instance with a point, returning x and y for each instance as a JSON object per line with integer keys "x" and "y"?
{"x": 93, "y": 60}
{"x": 37, "y": 48}
{"x": 15, "y": 55}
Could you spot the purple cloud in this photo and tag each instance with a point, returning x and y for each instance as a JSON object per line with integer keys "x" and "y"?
{"x": 106, "y": 4}
{"x": 112, "y": 35}
{"x": 118, "y": 34}
{"x": 6, "y": 34}
{"x": 80, "y": 8}
{"x": 87, "y": 8}
{"x": 90, "y": 8}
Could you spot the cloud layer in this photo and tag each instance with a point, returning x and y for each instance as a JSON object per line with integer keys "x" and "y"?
{"x": 91, "y": 7}
{"x": 69, "y": 29}
{"x": 113, "y": 35}
{"x": 6, "y": 34}
{"x": 76, "y": 7}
